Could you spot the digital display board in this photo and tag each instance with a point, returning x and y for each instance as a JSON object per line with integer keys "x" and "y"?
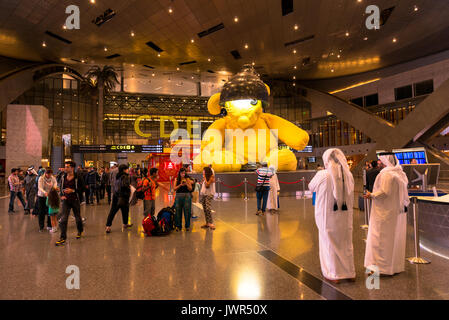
{"x": 405, "y": 156}
{"x": 128, "y": 148}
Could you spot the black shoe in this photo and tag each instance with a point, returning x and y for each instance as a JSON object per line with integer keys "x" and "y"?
{"x": 10, "y": 212}
{"x": 187, "y": 229}
{"x": 27, "y": 212}
{"x": 78, "y": 236}
{"x": 60, "y": 242}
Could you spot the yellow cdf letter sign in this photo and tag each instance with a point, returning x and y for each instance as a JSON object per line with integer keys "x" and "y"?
{"x": 137, "y": 126}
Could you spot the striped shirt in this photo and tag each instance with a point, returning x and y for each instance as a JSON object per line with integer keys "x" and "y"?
{"x": 263, "y": 176}
{"x": 14, "y": 183}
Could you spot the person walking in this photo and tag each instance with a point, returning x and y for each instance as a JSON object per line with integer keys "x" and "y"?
{"x": 107, "y": 181}
{"x": 103, "y": 180}
{"x": 263, "y": 187}
{"x": 93, "y": 185}
{"x": 69, "y": 188}
{"x": 183, "y": 199}
{"x": 334, "y": 187}
{"x": 15, "y": 190}
{"x": 120, "y": 198}
{"x": 207, "y": 194}
{"x": 149, "y": 186}
{"x": 46, "y": 182}
{"x": 30, "y": 189}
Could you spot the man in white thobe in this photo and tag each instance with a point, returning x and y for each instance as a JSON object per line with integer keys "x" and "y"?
{"x": 385, "y": 246}
{"x": 334, "y": 188}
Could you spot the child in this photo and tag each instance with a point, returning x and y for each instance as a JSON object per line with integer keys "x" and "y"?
{"x": 52, "y": 203}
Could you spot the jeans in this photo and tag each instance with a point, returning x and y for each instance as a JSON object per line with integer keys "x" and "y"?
{"x": 94, "y": 190}
{"x": 183, "y": 202}
{"x": 114, "y": 209}
{"x": 262, "y": 196}
{"x": 149, "y": 207}
{"x": 13, "y": 198}
{"x": 43, "y": 212}
{"x": 64, "y": 217}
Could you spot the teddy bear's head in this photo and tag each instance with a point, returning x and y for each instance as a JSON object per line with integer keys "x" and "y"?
{"x": 242, "y": 99}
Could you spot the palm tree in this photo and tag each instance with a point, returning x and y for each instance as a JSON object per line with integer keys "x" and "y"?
{"x": 104, "y": 80}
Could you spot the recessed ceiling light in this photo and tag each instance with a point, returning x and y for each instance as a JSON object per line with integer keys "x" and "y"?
{"x": 415, "y": 8}
{"x": 105, "y": 49}
{"x": 192, "y": 40}
{"x": 294, "y": 51}
{"x": 332, "y": 70}
{"x": 82, "y": 61}
{"x": 366, "y": 38}
{"x": 170, "y": 10}
{"x": 253, "y": 63}
{"x": 177, "y": 69}
{"x": 395, "y": 40}
{"x": 158, "y": 54}
{"x": 64, "y": 27}
{"x": 236, "y": 19}
{"x": 192, "y": 77}
{"x": 246, "y": 46}
{"x": 295, "y": 67}
{"x": 296, "y": 27}
{"x": 44, "y": 44}
{"x": 338, "y": 56}
{"x": 132, "y": 65}
{"x": 152, "y": 74}
{"x": 208, "y": 59}
{"x": 92, "y": 1}
{"x": 359, "y": 0}
{"x": 132, "y": 34}
{"x": 294, "y": 77}
{"x": 347, "y": 34}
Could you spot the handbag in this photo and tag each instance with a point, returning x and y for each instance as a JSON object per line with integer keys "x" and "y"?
{"x": 259, "y": 188}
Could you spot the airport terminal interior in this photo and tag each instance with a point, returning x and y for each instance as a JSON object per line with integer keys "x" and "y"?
{"x": 224, "y": 149}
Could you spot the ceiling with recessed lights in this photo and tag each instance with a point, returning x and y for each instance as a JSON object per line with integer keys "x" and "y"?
{"x": 315, "y": 39}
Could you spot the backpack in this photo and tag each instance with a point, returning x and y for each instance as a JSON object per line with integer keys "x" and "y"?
{"x": 152, "y": 227}
{"x": 140, "y": 194}
{"x": 117, "y": 186}
{"x": 166, "y": 218}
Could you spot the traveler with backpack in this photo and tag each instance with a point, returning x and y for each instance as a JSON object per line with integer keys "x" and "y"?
{"x": 30, "y": 189}
{"x": 148, "y": 186}
{"x": 120, "y": 198}
{"x": 69, "y": 188}
{"x": 183, "y": 199}
{"x": 207, "y": 195}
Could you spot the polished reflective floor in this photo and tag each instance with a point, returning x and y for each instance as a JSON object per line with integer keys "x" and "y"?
{"x": 246, "y": 257}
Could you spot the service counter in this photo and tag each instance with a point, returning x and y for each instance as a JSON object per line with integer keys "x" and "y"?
{"x": 433, "y": 219}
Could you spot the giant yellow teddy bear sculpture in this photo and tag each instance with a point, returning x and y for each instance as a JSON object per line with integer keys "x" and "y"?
{"x": 241, "y": 103}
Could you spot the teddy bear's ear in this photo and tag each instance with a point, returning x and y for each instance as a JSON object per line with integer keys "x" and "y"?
{"x": 268, "y": 88}
{"x": 213, "y": 104}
